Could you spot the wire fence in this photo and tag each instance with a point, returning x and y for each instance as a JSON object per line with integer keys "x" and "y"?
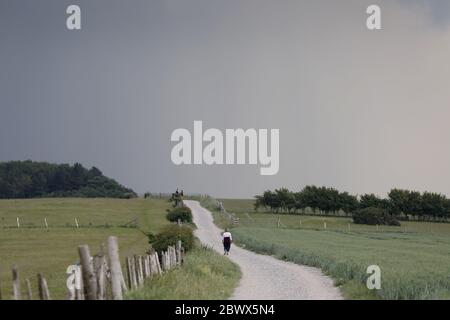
{"x": 101, "y": 276}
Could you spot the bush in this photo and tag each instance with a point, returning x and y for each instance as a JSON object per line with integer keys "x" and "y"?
{"x": 374, "y": 216}
{"x": 182, "y": 213}
{"x": 169, "y": 237}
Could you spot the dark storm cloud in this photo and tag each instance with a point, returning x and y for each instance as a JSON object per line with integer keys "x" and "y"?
{"x": 362, "y": 111}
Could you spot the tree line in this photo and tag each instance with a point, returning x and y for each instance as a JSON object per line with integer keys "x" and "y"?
{"x": 29, "y": 179}
{"x": 399, "y": 202}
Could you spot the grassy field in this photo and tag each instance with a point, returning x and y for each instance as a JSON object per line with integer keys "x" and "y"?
{"x": 61, "y": 212}
{"x": 34, "y": 248}
{"x": 414, "y": 258}
{"x": 205, "y": 275}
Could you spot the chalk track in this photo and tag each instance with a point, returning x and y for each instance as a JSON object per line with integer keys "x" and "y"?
{"x": 264, "y": 277}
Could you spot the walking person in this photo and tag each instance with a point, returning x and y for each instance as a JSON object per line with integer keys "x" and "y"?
{"x": 227, "y": 239}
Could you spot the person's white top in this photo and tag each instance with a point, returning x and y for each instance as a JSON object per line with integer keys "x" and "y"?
{"x": 227, "y": 235}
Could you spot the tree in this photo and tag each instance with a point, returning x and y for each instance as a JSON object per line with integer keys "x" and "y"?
{"x": 398, "y": 200}
{"x": 414, "y": 204}
{"x": 434, "y": 205}
{"x": 270, "y": 200}
{"x": 285, "y": 199}
{"x": 28, "y": 179}
{"x": 299, "y": 203}
{"x": 78, "y": 176}
{"x": 348, "y": 203}
{"x": 371, "y": 200}
{"x": 94, "y": 172}
{"x": 309, "y": 197}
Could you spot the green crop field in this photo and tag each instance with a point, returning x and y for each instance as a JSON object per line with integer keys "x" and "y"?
{"x": 34, "y": 248}
{"x": 414, "y": 258}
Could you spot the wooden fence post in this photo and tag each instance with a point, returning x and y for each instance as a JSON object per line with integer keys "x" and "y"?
{"x": 129, "y": 272}
{"x": 153, "y": 265}
{"x": 79, "y": 293}
{"x": 146, "y": 266}
{"x": 158, "y": 265}
{"x": 178, "y": 252}
{"x": 136, "y": 269}
{"x": 116, "y": 270}
{"x": 163, "y": 261}
{"x": 151, "y": 269}
{"x": 16, "y": 284}
{"x": 133, "y": 273}
{"x": 87, "y": 270}
{"x": 100, "y": 275}
{"x": 174, "y": 256}
{"x": 44, "y": 294}
{"x": 149, "y": 266}
{"x": 139, "y": 271}
{"x": 167, "y": 259}
{"x": 106, "y": 270}
{"x": 29, "y": 292}
{"x": 141, "y": 267}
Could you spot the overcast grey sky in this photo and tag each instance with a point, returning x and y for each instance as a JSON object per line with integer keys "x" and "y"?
{"x": 358, "y": 110}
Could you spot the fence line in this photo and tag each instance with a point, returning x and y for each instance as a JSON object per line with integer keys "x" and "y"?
{"x": 44, "y": 223}
{"x": 100, "y": 277}
{"x": 231, "y": 216}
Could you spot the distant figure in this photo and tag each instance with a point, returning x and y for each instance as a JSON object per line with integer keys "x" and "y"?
{"x": 227, "y": 239}
{"x": 182, "y": 193}
{"x": 176, "y": 198}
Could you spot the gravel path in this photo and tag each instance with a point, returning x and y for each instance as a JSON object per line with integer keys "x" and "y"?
{"x": 264, "y": 277}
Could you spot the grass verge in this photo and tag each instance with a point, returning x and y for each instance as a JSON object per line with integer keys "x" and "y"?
{"x": 205, "y": 275}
